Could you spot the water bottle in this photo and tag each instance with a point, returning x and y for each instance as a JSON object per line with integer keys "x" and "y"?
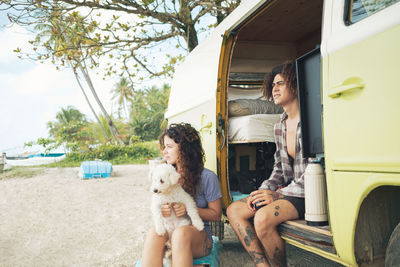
{"x": 315, "y": 195}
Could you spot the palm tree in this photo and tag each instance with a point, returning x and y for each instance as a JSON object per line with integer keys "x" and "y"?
{"x": 63, "y": 41}
{"x": 123, "y": 92}
{"x": 70, "y": 114}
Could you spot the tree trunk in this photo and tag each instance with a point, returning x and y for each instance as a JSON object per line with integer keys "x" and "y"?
{"x": 110, "y": 123}
{"x": 220, "y": 16}
{"x": 90, "y": 106}
{"x": 191, "y": 36}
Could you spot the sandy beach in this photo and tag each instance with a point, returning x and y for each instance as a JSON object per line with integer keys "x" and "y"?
{"x": 59, "y": 219}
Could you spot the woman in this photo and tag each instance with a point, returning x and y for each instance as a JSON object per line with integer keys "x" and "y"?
{"x": 181, "y": 146}
{"x": 281, "y": 197}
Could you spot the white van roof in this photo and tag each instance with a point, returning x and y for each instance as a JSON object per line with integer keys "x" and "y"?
{"x": 195, "y": 79}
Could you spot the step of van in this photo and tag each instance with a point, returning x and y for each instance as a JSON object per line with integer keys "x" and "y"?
{"x": 316, "y": 236}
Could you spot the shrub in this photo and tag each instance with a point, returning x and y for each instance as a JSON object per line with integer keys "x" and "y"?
{"x": 116, "y": 154}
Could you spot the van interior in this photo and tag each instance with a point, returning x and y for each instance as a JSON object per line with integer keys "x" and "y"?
{"x": 280, "y": 31}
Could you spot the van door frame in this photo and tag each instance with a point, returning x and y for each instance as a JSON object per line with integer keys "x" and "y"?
{"x": 222, "y": 115}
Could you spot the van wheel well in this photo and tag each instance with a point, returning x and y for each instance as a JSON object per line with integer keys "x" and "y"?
{"x": 379, "y": 215}
{"x": 392, "y": 251}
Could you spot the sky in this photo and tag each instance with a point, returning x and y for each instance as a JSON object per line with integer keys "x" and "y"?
{"x": 32, "y": 93}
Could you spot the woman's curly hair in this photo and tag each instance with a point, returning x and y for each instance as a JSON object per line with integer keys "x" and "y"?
{"x": 288, "y": 72}
{"x": 191, "y": 154}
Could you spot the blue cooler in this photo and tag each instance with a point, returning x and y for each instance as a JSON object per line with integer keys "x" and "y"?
{"x": 95, "y": 169}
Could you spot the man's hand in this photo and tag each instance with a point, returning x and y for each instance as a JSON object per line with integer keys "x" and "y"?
{"x": 263, "y": 197}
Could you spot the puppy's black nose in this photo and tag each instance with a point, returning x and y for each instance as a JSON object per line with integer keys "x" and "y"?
{"x": 155, "y": 190}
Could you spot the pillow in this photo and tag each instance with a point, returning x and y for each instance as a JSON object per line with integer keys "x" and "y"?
{"x": 243, "y": 107}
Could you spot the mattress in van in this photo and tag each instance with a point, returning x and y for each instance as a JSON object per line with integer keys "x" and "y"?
{"x": 252, "y": 128}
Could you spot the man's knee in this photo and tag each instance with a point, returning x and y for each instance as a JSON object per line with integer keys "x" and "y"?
{"x": 234, "y": 210}
{"x": 264, "y": 223}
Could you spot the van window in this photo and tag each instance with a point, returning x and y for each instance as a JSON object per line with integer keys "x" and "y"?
{"x": 359, "y": 9}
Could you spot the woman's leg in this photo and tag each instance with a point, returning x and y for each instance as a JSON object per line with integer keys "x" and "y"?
{"x": 153, "y": 250}
{"x": 265, "y": 222}
{"x": 187, "y": 243}
{"x": 239, "y": 218}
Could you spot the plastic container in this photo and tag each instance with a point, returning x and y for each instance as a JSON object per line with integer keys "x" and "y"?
{"x": 95, "y": 169}
{"x": 315, "y": 195}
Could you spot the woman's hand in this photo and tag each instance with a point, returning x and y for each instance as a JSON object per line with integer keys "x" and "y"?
{"x": 166, "y": 210}
{"x": 179, "y": 209}
{"x": 262, "y": 198}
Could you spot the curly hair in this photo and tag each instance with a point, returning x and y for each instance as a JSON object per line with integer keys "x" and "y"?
{"x": 288, "y": 72}
{"x": 191, "y": 154}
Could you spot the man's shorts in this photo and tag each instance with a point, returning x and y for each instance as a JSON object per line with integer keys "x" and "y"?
{"x": 298, "y": 203}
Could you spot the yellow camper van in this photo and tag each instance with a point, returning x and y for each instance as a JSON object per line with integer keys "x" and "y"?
{"x": 348, "y": 56}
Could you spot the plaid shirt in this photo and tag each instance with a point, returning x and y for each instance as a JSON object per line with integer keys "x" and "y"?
{"x": 283, "y": 174}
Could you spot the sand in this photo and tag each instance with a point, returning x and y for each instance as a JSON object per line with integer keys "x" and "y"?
{"x": 59, "y": 219}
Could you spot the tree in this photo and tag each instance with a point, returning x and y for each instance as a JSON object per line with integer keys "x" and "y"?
{"x": 70, "y": 114}
{"x": 134, "y": 32}
{"x": 147, "y": 113}
{"x": 123, "y": 92}
{"x": 61, "y": 39}
{"x": 70, "y": 129}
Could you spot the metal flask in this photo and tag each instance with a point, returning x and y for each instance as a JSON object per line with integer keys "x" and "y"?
{"x": 315, "y": 195}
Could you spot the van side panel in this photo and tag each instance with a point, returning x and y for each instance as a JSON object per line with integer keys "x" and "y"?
{"x": 353, "y": 187}
{"x": 202, "y": 117}
{"x": 362, "y": 126}
{"x": 361, "y": 114}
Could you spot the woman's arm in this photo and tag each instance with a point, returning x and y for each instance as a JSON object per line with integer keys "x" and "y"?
{"x": 213, "y": 212}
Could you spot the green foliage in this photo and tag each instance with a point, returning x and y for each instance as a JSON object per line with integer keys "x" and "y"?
{"x": 116, "y": 154}
{"x": 70, "y": 129}
{"x": 147, "y": 112}
{"x": 71, "y": 30}
{"x": 123, "y": 93}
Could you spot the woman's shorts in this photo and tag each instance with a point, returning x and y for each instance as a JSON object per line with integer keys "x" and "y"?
{"x": 298, "y": 203}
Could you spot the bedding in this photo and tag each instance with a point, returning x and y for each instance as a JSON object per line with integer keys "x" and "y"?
{"x": 252, "y": 128}
{"x": 242, "y": 107}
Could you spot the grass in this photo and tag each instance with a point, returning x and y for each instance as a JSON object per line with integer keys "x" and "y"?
{"x": 27, "y": 172}
{"x": 20, "y": 172}
{"x": 121, "y": 160}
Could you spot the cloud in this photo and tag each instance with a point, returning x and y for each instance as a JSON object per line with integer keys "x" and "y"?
{"x": 40, "y": 79}
{"x": 10, "y": 39}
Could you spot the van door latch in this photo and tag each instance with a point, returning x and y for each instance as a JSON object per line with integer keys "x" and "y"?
{"x": 221, "y": 130}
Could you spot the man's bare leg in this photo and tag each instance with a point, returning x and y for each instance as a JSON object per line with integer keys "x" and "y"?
{"x": 239, "y": 218}
{"x": 266, "y": 221}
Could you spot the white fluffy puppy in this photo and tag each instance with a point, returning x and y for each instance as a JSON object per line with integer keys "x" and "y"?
{"x": 166, "y": 189}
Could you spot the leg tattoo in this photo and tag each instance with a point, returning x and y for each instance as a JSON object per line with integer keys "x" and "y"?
{"x": 257, "y": 257}
{"x": 243, "y": 200}
{"x": 277, "y": 208}
{"x": 207, "y": 246}
{"x": 278, "y": 258}
{"x": 249, "y": 237}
